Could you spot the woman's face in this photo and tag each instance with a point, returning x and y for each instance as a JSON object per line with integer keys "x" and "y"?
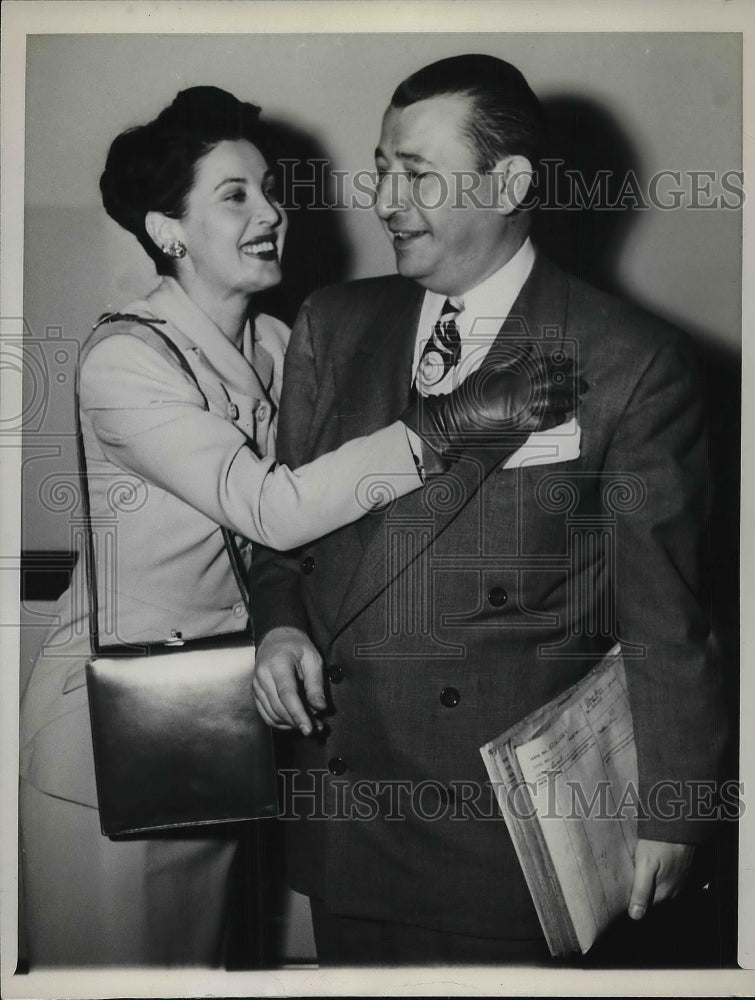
{"x": 233, "y": 228}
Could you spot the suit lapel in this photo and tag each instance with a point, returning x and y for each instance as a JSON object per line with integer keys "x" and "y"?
{"x": 539, "y": 312}
{"x": 375, "y": 381}
{"x": 371, "y": 387}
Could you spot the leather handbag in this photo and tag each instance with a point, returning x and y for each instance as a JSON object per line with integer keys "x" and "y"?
{"x": 177, "y": 738}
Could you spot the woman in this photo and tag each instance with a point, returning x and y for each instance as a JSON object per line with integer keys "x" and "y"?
{"x": 168, "y": 465}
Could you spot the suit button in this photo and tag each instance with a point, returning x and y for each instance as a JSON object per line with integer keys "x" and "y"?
{"x": 337, "y": 765}
{"x": 262, "y": 412}
{"x": 498, "y": 597}
{"x": 239, "y": 610}
{"x": 308, "y": 565}
{"x": 233, "y": 411}
{"x": 449, "y": 697}
{"x": 335, "y": 673}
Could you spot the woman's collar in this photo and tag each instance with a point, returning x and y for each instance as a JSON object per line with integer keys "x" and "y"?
{"x": 169, "y": 301}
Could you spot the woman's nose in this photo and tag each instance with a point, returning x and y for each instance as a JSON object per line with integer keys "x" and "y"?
{"x": 268, "y": 212}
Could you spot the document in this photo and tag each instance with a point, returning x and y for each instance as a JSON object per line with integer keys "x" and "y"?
{"x": 566, "y": 783}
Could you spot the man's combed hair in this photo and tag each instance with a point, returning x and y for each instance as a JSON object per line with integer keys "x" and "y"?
{"x": 506, "y": 119}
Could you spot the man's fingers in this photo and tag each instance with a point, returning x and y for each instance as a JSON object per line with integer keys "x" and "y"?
{"x": 310, "y": 671}
{"x": 286, "y": 700}
{"x": 660, "y": 869}
{"x": 288, "y": 668}
{"x": 312, "y": 679}
{"x": 266, "y": 710}
{"x": 277, "y": 684}
{"x": 643, "y": 889}
{"x": 266, "y": 714}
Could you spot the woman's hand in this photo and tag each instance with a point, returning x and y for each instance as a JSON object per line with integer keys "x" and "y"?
{"x": 287, "y": 665}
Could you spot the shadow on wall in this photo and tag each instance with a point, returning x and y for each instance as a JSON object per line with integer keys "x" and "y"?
{"x": 591, "y": 163}
{"x": 317, "y": 251}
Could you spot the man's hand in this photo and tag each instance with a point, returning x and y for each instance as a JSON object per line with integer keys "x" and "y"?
{"x": 659, "y": 873}
{"x": 287, "y": 666}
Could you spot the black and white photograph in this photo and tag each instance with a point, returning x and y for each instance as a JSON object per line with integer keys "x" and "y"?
{"x": 373, "y": 613}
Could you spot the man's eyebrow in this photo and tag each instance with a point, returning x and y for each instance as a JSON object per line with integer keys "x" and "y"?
{"x": 401, "y": 155}
{"x": 412, "y": 157}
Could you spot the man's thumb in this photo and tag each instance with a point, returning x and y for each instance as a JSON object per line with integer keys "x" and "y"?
{"x": 313, "y": 682}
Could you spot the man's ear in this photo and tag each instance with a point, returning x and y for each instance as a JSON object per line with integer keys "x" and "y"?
{"x": 162, "y": 229}
{"x": 513, "y": 177}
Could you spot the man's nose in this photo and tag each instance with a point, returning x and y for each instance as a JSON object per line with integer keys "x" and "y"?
{"x": 393, "y": 194}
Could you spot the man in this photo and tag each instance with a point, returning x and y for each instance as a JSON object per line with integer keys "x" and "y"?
{"x": 449, "y": 616}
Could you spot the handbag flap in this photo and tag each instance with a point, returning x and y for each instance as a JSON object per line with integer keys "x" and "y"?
{"x": 178, "y": 740}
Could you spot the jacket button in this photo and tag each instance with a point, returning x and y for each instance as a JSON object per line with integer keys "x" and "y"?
{"x": 308, "y": 565}
{"x": 498, "y": 597}
{"x": 239, "y": 610}
{"x": 233, "y": 411}
{"x": 337, "y": 765}
{"x": 335, "y": 673}
{"x": 262, "y": 412}
{"x": 449, "y": 697}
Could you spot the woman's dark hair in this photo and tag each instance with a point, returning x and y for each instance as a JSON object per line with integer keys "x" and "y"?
{"x": 506, "y": 117}
{"x": 152, "y": 167}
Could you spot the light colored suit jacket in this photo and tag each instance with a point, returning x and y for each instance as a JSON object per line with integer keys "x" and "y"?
{"x": 166, "y": 465}
{"x": 455, "y": 612}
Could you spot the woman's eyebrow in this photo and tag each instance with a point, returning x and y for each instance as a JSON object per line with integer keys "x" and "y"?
{"x": 230, "y": 180}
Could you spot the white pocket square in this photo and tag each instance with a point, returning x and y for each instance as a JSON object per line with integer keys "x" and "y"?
{"x": 559, "y": 444}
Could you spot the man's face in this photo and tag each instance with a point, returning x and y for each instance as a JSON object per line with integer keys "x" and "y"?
{"x": 436, "y": 209}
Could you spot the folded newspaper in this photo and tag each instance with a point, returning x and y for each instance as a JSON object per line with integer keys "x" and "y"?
{"x": 566, "y": 780}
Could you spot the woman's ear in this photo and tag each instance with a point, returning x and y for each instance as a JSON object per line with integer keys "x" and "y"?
{"x": 162, "y": 229}
{"x": 513, "y": 176}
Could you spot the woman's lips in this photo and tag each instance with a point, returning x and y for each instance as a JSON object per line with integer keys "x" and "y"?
{"x": 264, "y": 248}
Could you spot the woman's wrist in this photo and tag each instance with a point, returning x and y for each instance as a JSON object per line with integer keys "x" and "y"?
{"x": 429, "y": 462}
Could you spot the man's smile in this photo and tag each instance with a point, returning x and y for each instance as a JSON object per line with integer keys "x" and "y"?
{"x": 406, "y": 235}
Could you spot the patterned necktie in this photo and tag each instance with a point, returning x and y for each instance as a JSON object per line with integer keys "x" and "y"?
{"x": 443, "y": 349}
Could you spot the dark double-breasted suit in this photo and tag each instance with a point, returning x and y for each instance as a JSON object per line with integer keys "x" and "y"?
{"x": 450, "y": 614}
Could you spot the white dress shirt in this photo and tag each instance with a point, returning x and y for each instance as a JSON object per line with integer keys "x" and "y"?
{"x": 486, "y": 308}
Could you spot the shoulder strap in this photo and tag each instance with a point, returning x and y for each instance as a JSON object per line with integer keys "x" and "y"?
{"x": 168, "y": 349}
{"x": 144, "y": 328}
